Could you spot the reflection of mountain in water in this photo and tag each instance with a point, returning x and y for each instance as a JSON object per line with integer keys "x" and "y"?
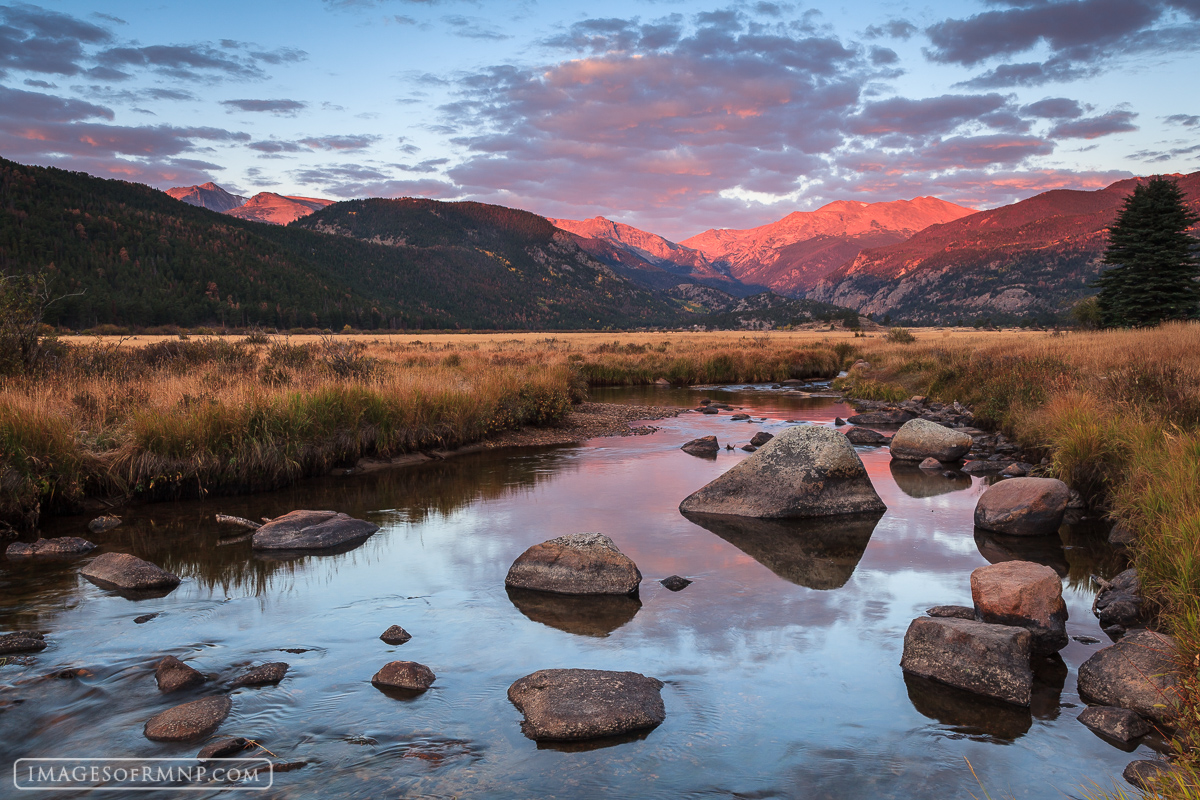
{"x": 183, "y": 536}
{"x": 817, "y": 553}
{"x": 594, "y": 615}
{"x": 918, "y": 483}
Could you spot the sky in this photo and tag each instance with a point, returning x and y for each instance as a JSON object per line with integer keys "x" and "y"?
{"x": 673, "y": 116}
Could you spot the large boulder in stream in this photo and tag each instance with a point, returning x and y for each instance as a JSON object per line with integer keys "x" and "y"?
{"x": 1023, "y": 506}
{"x": 1140, "y": 673}
{"x": 573, "y": 704}
{"x": 311, "y": 530}
{"x": 919, "y": 439}
{"x": 190, "y": 721}
{"x": 991, "y": 660}
{"x": 130, "y": 573}
{"x": 1024, "y": 594}
{"x": 580, "y": 563}
{"x": 805, "y": 471}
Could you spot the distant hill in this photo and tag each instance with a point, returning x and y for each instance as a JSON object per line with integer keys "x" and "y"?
{"x": 277, "y": 209}
{"x": 207, "y": 195}
{"x": 1032, "y": 258}
{"x": 791, "y": 255}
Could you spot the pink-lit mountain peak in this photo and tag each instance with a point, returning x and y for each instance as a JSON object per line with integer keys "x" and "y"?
{"x": 650, "y": 243}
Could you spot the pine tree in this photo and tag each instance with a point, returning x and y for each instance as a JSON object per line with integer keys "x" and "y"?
{"x": 1152, "y": 260}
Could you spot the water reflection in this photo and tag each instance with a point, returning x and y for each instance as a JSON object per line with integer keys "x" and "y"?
{"x": 1076, "y": 552}
{"x": 966, "y": 713}
{"x": 1047, "y": 550}
{"x": 919, "y": 483}
{"x": 817, "y": 553}
{"x": 597, "y": 615}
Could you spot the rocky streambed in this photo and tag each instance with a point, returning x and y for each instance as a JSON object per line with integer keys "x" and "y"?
{"x": 757, "y": 656}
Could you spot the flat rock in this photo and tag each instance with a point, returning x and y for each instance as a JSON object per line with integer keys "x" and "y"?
{"x": 581, "y": 563}
{"x": 225, "y": 747}
{"x": 102, "y": 524}
{"x": 805, "y": 471}
{"x": 675, "y": 583}
{"x": 951, "y": 612}
{"x": 573, "y": 704}
{"x": 262, "y": 675}
{"x": 395, "y": 635}
{"x": 705, "y": 446}
{"x": 1023, "y": 506}
{"x": 740, "y": 417}
{"x": 1117, "y": 723}
{"x": 311, "y": 530}
{"x": 58, "y": 547}
{"x": 761, "y": 438}
{"x": 881, "y": 418}
{"x": 124, "y": 571}
{"x": 1138, "y": 673}
{"x": 865, "y": 436}
{"x": 22, "y": 642}
{"x": 1024, "y": 594}
{"x": 171, "y": 675}
{"x": 981, "y": 466}
{"x": 190, "y": 721}
{"x": 991, "y": 660}
{"x": 405, "y": 675}
{"x": 919, "y": 439}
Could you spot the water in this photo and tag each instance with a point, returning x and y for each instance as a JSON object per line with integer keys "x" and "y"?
{"x": 780, "y": 660}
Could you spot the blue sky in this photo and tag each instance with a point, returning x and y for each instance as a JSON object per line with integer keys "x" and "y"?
{"x": 672, "y": 116}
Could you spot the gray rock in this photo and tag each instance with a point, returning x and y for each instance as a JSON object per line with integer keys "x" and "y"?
{"x": 395, "y": 635}
{"x": 1023, "y": 506}
{"x": 1076, "y": 502}
{"x": 981, "y": 466}
{"x": 1119, "y": 604}
{"x": 675, "y": 583}
{"x": 262, "y": 675}
{"x": 405, "y": 675}
{"x": 581, "y": 563}
{"x": 574, "y": 704}
{"x": 226, "y": 747}
{"x": 1120, "y": 535}
{"x": 705, "y": 446}
{"x": 102, "y": 524}
{"x": 124, "y": 571}
{"x": 1117, "y": 723}
{"x": 311, "y": 530}
{"x": 710, "y": 410}
{"x": 991, "y": 660}
{"x": 171, "y": 675}
{"x": 866, "y": 436}
{"x": 1149, "y": 775}
{"x": 59, "y": 547}
{"x": 919, "y": 439}
{"x": 22, "y": 642}
{"x": 1138, "y": 673}
{"x": 951, "y": 612}
{"x": 896, "y": 417}
{"x": 805, "y": 471}
{"x": 740, "y": 417}
{"x": 761, "y": 438}
{"x": 190, "y": 721}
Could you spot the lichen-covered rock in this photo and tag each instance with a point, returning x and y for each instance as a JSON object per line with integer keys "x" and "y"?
{"x": 59, "y": 547}
{"x": 574, "y": 704}
{"x": 581, "y": 563}
{"x": 1023, "y": 506}
{"x": 1121, "y": 724}
{"x": 1024, "y": 594}
{"x": 311, "y": 530}
{"x": 262, "y": 675}
{"x": 124, "y": 571}
{"x": 991, "y": 660}
{"x": 21, "y": 642}
{"x": 919, "y": 439}
{"x": 190, "y": 721}
{"x": 405, "y": 675}
{"x": 806, "y": 471}
{"x": 1138, "y": 673}
{"x": 395, "y": 635}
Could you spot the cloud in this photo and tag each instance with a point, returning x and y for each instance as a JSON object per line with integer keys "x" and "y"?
{"x": 273, "y": 147}
{"x": 34, "y": 107}
{"x": 474, "y": 28}
{"x": 347, "y": 143}
{"x": 931, "y": 115}
{"x": 1054, "y": 108}
{"x": 1187, "y": 120}
{"x": 894, "y": 29}
{"x": 1030, "y": 74}
{"x": 287, "y": 108}
{"x": 190, "y": 62}
{"x": 1095, "y": 127}
{"x": 357, "y": 180}
{"x": 33, "y": 39}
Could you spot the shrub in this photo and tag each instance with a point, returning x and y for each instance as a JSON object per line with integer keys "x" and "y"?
{"x": 899, "y": 336}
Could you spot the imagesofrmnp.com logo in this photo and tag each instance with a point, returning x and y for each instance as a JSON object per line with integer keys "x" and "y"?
{"x": 142, "y": 774}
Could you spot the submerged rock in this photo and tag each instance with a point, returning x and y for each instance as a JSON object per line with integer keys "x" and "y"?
{"x": 102, "y": 524}
{"x": 1138, "y": 673}
{"x": 1023, "y": 506}
{"x": 991, "y": 660}
{"x": 740, "y": 417}
{"x": 395, "y": 635}
{"x": 226, "y": 747}
{"x": 1117, "y": 723}
{"x": 311, "y": 530}
{"x": 866, "y": 436}
{"x": 405, "y": 675}
{"x": 675, "y": 583}
{"x": 189, "y": 721}
{"x": 705, "y": 447}
{"x": 581, "y": 563}
{"x": 124, "y": 571}
{"x": 262, "y": 675}
{"x": 171, "y": 675}
{"x": 803, "y": 472}
{"x": 919, "y": 439}
{"x": 21, "y": 642}
{"x": 58, "y": 547}
{"x": 1024, "y": 594}
{"x": 574, "y": 704}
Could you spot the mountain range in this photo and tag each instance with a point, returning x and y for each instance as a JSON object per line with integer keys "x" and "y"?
{"x": 275, "y": 209}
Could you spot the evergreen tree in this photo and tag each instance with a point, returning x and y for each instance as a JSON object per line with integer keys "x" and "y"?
{"x": 1152, "y": 260}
